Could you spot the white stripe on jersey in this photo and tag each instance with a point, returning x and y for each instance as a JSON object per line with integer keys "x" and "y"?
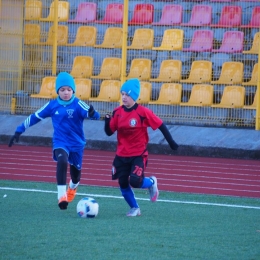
{"x": 40, "y": 110}
{"x": 27, "y": 122}
{"x": 83, "y": 105}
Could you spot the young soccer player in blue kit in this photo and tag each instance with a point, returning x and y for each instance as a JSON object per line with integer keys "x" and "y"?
{"x": 67, "y": 113}
{"x": 131, "y": 121}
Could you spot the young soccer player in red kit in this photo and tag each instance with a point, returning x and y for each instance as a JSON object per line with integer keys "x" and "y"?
{"x": 131, "y": 121}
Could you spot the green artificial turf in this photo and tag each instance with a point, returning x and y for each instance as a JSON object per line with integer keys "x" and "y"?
{"x": 175, "y": 227}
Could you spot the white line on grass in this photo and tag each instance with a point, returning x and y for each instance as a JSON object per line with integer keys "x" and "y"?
{"x": 160, "y": 200}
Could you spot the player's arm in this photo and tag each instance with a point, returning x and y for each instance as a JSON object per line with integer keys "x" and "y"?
{"x": 93, "y": 114}
{"x": 107, "y": 128}
{"x": 167, "y": 135}
{"x": 28, "y": 122}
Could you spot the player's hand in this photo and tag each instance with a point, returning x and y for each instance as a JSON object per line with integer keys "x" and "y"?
{"x": 91, "y": 111}
{"x": 174, "y": 145}
{"x": 15, "y": 138}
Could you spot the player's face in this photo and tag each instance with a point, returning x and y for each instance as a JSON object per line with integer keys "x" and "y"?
{"x": 65, "y": 93}
{"x": 127, "y": 100}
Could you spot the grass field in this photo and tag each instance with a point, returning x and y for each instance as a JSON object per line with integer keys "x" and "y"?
{"x": 178, "y": 226}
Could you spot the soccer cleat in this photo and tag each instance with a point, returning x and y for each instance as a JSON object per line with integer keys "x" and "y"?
{"x": 133, "y": 212}
{"x": 153, "y": 190}
{"x": 63, "y": 202}
{"x": 71, "y": 194}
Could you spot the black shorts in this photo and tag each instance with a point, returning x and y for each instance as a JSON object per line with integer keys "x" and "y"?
{"x": 123, "y": 167}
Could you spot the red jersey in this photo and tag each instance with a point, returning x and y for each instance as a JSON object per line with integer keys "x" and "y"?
{"x": 131, "y": 126}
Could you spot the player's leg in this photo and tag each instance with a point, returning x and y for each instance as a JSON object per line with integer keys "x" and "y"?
{"x": 75, "y": 159}
{"x": 121, "y": 171}
{"x": 138, "y": 179}
{"x": 61, "y": 157}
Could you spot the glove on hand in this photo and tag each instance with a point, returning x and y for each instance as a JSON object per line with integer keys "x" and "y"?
{"x": 174, "y": 145}
{"x": 15, "y": 138}
{"x": 91, "y": 111}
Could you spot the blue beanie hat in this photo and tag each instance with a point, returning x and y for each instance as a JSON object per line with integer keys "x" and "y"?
{"x": 132, "y": 88}
{"x": 65, "y": 79}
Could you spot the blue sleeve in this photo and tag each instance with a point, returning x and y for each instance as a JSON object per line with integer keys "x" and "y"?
{"x": 33, "y": 119}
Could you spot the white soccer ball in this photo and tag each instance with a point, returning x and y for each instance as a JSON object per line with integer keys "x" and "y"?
{"x": 87, "y": 208}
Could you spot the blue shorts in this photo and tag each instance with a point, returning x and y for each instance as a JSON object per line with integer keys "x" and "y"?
{"x": 74, "y": 157}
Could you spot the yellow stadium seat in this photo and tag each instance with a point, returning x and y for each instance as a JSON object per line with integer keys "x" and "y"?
{"x": 32, "y": 33}
{"x": 170, "y": 71}
{"x": 33, "y": 10}
{"x": 253, "y": 106}
{"x": 62, "y": 37}
{"x": 110, "y": 69}
{"x": 142, "y": 39}
{"x": 172, "y": 40}
{"x": 86, "y": 36}
{"x": 201, "y": 95}
{"x": 63, "y": 12}
{"x": 47, "y": 89}
{"x": 232, "y": 97}
{"x": 112, "y": 38}
{"x": 82, "y": 67}
{"x": 200, "y": 72}
{"x": 254, "y": 77}
{"x": 83, "y": 88}
{"x": 255, "y": 45}
{"x": 109, "y": 91}
{"x": 231, "y": 73}
{"x": 145, "y": 93}
{"x": 170, "y": 94}
{"x": 141, "y": 69}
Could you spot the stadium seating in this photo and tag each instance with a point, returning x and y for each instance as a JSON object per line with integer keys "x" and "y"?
{"x": 254, "y": 77}
{"x": 231, "y": 73}
{"x": 232, "y": 42}
{"x": 230, "y": 16}
{"x": 83, "y": 88}
{"x": 201, "y": 95}
{"x": 171, "y": 15}
{"x": 170, "y": 94}
{"x": 63, "y": 12}
{"x": 141, "y": 69}
{"x": 33, "y": 10}
{"x": 145, "y": 93}
{"x": 110, "y": 69}
{"x": 47, "y": 89}
{"x": 202, "y": 41}
{"x": 32, "y": 33}
{"x": 255, "y": 19}
{"x": 200, "y": 72}
{"x": 112, "y": 38}
{"x": 62, "y": 37}
{"x": 232, "y": 97}
{"x": 200, "y": 16}
{"x": 113, "y": 14}
{"x": 143, "y": 39}
{"x": 172, "y": 40}
{"x": 143, "y": 14}
{"x": 86, "y": 13}
{"x": 86, "y": 36}
{"x": 82, "y": 67}
{"x": 170, "y": 71}
{"x": 109, "y": 91}
{"x": 255, "y": 46}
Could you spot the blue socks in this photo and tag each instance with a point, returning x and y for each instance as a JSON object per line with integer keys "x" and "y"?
{"x": 147, "y": 183}
{"x": 129, "y": 196}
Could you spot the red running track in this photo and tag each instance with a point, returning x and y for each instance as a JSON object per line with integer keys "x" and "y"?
{"x": 175, "y": 173}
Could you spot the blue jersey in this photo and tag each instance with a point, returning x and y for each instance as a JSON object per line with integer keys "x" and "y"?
{"x": 67, "y": 123}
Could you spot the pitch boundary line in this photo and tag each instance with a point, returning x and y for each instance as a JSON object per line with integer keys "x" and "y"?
{"x": 159, "y": 200}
